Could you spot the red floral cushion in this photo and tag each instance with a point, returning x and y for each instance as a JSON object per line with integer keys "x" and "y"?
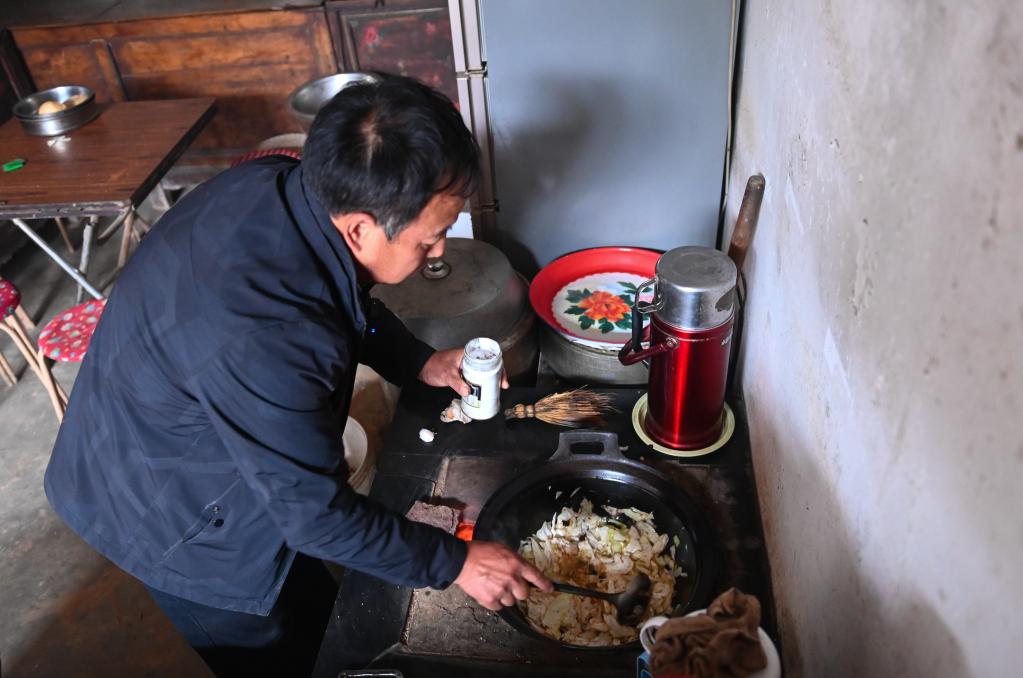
{"x": 10, "y": 297}
{"x": 66, "y": 337}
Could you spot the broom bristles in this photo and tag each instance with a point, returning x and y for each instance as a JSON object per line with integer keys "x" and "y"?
{"x": 568, "y": 408}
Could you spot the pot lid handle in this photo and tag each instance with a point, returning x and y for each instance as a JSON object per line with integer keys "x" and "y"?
{"x": 435, "y": 269}
{"x": 607, "y": 439}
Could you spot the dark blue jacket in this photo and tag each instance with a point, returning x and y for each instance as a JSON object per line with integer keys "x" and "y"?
{"x": 202, "y": 444}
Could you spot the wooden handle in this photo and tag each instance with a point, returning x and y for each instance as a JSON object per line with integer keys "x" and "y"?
{"x": 746, "y": 221}
{"x": 520, "y": 411}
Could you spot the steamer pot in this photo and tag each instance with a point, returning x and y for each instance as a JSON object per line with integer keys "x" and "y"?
{"x": 588, "y": 365}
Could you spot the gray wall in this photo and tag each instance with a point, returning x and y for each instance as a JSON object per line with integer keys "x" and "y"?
{"x": 883, "y": 354}
{"x": 609, "y": 123}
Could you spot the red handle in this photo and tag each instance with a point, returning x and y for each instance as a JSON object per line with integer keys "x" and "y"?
{"x": 627, "y": 357}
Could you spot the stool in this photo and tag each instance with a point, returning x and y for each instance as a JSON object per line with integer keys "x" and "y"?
{"x": 10, "y": 300}
{"x": 66, "y": 338}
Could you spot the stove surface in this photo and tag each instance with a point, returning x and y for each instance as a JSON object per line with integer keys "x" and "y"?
{"x": 433, "y": 633}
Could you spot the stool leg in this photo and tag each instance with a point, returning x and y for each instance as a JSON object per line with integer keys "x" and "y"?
{"x": 24, "y": 344}
{"x": 6, "y": 372}
{"x": 58, "y": 390}
{"x": 23, "y": 317}
{"x": 63, "y": 234}
{"x": 111, "y": 227}
{"x": 126, "y": 235}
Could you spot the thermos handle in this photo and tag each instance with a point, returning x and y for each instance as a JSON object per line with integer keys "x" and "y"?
{"x": 638, "y": 311}
{"x": 627, "y": 358}
{"x": 632, "y": 352}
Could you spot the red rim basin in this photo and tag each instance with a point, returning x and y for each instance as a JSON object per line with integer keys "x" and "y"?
{"x": 588, "y": 294}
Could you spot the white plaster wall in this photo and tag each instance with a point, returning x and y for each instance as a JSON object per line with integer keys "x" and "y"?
{"x": 883, "y": 354}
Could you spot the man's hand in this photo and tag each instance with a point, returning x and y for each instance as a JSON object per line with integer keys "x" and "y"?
{"x": 496, "y": 576}
{"x": 444, "y": 368}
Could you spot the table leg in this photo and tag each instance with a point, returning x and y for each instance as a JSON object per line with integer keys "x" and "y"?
{"x": 112, "y": 226}
{"x": 83, "y": 264}
{"x": 68, "y": 268}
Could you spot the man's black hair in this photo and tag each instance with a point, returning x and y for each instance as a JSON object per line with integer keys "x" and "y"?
{"x": 386, "y": 148}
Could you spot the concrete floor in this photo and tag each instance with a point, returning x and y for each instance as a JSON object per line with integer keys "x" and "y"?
{"x": 64, "y": 609}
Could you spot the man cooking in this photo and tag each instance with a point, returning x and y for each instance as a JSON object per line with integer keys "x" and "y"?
{"x": 201, "y": 450}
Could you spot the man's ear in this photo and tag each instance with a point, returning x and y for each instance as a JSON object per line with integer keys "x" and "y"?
{"x": 355, "y": 228}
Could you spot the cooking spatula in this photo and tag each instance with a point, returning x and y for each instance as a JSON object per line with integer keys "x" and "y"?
{"x": 630, "y": 603}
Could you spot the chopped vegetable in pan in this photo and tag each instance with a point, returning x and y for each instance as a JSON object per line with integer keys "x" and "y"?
{"x": 601, "y": 553}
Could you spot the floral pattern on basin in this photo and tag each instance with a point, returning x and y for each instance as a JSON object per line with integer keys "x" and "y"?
{"x": 598, "y": 307}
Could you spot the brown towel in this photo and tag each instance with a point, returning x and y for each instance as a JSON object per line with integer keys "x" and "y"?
{"x": 723, "y": 643}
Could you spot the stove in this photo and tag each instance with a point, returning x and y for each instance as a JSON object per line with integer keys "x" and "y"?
{"x": 377, "y": 628}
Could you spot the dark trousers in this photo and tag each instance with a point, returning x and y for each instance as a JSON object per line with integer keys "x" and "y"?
{"x": 283, "y": 643}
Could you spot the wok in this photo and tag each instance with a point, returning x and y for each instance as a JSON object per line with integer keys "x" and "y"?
{"x": 521, "y": 506}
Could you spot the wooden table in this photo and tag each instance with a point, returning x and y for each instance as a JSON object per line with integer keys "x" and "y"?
{"x": 106, "y": 168}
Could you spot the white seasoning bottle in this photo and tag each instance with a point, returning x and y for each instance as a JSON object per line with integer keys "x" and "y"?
{"x": 481, "y": 370}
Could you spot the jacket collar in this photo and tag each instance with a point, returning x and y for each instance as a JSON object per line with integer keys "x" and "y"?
{"x": 314, "y": 222}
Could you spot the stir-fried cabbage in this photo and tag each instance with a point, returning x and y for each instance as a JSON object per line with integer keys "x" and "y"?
{"x": 601, "y": 553}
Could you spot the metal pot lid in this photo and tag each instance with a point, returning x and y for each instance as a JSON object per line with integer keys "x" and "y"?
{"x": 476, "y": 274}
{"x": 474, "y": 291}
{"x": 695, "y": 288}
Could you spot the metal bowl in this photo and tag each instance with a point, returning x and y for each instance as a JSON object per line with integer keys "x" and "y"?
{"x": 306, "y": 101}
{"x": 52, "y": 124}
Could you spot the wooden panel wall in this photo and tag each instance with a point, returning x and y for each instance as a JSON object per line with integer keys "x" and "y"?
{"x": 250, "y": 61}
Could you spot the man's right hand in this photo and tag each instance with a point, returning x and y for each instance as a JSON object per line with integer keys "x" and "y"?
{"x": 495, "y": 576}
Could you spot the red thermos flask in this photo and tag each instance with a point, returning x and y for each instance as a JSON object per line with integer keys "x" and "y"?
{"x": 691, "y": 318}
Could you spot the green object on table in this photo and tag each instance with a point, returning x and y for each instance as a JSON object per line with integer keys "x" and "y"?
{"x": 15, "y": 164}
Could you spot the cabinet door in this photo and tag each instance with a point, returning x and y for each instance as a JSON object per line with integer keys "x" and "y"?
{"x": 409, "y": 37}
{"x": 84, "y": 60}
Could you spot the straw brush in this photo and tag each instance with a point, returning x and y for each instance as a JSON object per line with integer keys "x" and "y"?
{"x": 568, "y": 408}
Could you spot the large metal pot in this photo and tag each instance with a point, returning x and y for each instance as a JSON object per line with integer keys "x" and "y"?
{"x": 307, "y": 99}
{"x": 518, "y": 509}
{"x": 588, "y": 365}
{"x": 472, "y": 291}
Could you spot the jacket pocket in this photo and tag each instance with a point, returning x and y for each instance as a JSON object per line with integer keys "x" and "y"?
{"x": 195, "y": 529}
{"x": 209, "y": 516}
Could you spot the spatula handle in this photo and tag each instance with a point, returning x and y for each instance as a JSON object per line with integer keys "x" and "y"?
{"x": 578, "y": 591}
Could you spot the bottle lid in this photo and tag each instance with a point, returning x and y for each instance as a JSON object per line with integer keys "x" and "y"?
{"x": 482, "y": 353}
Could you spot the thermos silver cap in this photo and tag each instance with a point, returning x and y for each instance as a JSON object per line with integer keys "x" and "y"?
{"x": 695, "y": 288}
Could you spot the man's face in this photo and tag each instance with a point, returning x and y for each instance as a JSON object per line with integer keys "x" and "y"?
{"x": 391, "y": 261}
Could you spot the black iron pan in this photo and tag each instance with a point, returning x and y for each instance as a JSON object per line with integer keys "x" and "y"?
{"x": 521, "y": 506}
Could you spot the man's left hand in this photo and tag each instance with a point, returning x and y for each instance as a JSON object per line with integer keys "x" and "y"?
{"x": 444, "y": 368}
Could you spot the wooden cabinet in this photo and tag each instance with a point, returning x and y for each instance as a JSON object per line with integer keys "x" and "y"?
{"x": 14, "y": 80}
{"x": 250, "y": 58}
{"x": 249, "y": 61}
{"x": 410, "y": 37}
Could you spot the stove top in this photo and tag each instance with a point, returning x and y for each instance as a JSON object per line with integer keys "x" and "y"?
{"x": 376, "y": 625}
